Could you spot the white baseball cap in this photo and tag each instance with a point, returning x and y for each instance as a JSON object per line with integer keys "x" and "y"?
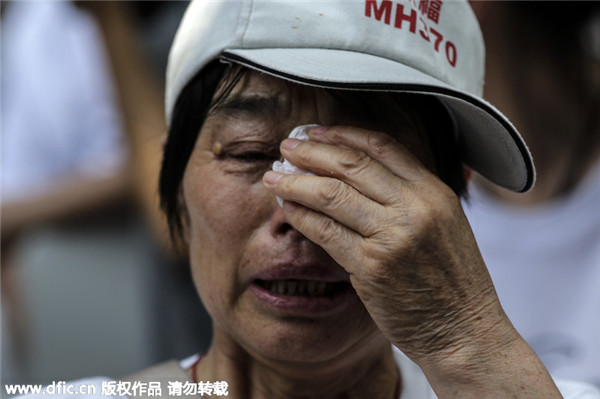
{"x": 432, "y": 47}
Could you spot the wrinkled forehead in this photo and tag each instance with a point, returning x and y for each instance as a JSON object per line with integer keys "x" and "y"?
{"x": 259, "y": 83}
{"x": 279, "y": 95}
{"x": 258, "y": 92}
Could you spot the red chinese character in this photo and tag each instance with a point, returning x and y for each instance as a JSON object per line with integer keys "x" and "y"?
{"x": 424, "y": 6}
{"x": 433, "y": 13}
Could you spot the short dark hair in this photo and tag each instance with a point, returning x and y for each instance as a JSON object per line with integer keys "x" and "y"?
{"x": 197, "y": 99}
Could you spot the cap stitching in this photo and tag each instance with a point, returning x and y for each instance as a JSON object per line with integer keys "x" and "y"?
{"x": 244, "y": 24}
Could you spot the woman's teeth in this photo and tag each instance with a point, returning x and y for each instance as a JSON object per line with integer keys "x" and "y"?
{"x": 309, "y": 288}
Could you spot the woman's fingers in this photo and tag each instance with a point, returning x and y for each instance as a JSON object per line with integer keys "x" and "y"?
{"x": 340, "y": 242}
{"x": 331, "y": 197}
{"x": 352, "y": 186}
{"x": 404, "y": 158}
{"x": 354, "y": 167}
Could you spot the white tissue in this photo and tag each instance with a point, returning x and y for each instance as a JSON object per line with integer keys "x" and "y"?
{"x": 299, "y": 133}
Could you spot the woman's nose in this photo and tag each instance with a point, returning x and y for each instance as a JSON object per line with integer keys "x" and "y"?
{"x": 280, "y": 226}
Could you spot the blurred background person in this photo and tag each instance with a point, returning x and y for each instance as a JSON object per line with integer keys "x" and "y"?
{"x": 543, "y": 71}
{"x": 63, "y": 146}
{"x": 83, "y": 254}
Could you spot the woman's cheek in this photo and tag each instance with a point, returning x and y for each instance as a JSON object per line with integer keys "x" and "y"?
{"x": 224, "y": 213}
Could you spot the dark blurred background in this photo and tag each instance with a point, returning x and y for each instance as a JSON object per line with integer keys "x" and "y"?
{"x": 90, "y": 284}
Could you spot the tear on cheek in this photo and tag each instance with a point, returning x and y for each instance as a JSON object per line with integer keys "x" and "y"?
{"x": 217, "y": 148}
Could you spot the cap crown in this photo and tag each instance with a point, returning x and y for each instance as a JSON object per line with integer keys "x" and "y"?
{"x": 440, "y": 38}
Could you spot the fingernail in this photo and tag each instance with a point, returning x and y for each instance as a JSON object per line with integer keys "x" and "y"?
{"x": 290, "y": 144}
{"x": 272, "y": 177}
{"x": 317, "y": 130}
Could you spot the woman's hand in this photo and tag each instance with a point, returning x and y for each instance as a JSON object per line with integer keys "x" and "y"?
{"x": 398, "y": 230}
{"x": 401, "y": 234}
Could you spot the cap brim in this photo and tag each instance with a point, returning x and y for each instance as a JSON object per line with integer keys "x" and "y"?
{"x": 488, "y": 141}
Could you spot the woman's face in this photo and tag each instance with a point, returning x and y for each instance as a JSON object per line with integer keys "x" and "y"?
{"x": 270, "y": 291}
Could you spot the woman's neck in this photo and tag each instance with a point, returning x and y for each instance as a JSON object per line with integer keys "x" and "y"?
{"x": 364, "y": 373}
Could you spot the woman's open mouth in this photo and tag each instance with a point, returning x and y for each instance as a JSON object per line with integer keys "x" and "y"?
{"x": 302, "y": 288}
{"x": 301, "y": 297}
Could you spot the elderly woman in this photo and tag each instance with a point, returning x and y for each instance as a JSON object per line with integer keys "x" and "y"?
{"x": 370, "y": 249}
{"x": 367, "y": 282}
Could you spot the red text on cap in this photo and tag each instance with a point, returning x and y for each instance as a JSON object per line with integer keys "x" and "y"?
{"x": 383, "y": 12}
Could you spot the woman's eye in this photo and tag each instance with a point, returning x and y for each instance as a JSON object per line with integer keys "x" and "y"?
{"x": 254, "y": 156}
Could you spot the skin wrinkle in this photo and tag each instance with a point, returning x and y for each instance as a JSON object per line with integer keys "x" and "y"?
{"x": 246, "y": 193}
{"x": 339, "y": 106}
{"x": 252, "y": 105}
{"x": 236, "y": 231}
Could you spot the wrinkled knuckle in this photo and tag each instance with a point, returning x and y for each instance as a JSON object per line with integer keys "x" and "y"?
{"x": 379, "y": 224}
{"x": 335, "y": 134}
{"x": 371, "y": 227}
{"x": 380, "y": 143}
{"x": 326, "y": 230}
{"x": 300, "y": 217}
{"x": 333, "y": 194}
{"x": 354, "y": 162}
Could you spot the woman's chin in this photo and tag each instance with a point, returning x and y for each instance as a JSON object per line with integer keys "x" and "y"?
{"x": 305, "y": 341}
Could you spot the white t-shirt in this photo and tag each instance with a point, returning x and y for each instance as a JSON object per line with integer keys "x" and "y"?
{"x": 414, "y": 384}
{"x": 545, "y": 264}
